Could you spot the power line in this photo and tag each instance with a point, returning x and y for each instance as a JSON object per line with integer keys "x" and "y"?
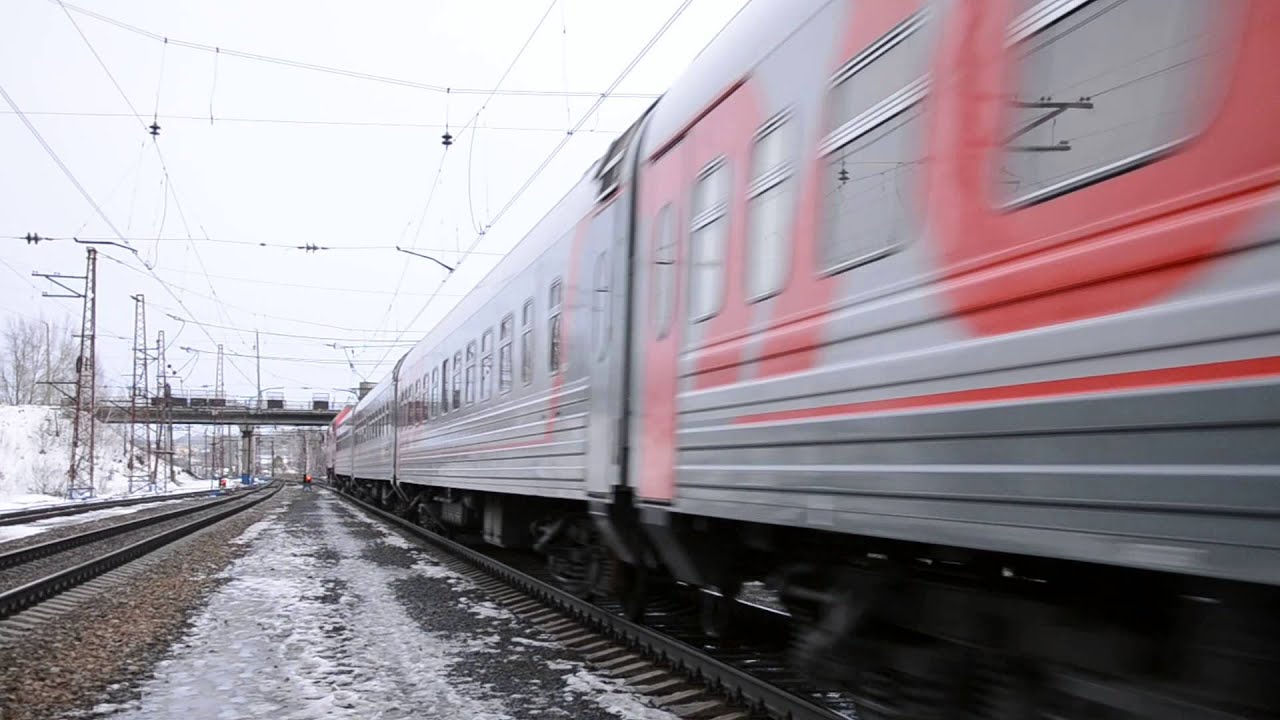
{"x": 351, "y": 342}
{"x": 317, "y": 361}
{"x": 153, "y": 130}
{"x": 556, "y": 151}
{"x": 230, "y": 241}
{"x": 63, "y": 166}
{"x": 300, "y": 286}
{"x": 220, "y": 50}
{"x": 302, "y": 121}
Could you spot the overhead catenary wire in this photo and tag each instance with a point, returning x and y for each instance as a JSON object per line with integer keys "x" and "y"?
{"x": 153, "y": 130}
{"x": 233, "y": 241}
{"x": 444, "y": 156}
{"x": 296, "y": 64}
{"x": 315, "y": 122}
{"x": 556, "y": 150}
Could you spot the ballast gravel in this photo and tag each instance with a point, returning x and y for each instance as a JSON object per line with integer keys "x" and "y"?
{"x": 18, "y": 575}
{"x": 98, "y": 650}
{"x": 329, "y": 614}
{"x": 15, "y": 537}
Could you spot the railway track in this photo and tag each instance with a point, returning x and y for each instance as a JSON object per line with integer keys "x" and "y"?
{"x": 39, "y": 573}
{"x": 659, "y": 659}
{"x": 44, "y": 512}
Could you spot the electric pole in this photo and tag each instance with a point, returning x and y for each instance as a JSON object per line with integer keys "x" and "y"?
{"x": 257, "y": 349}
{"x": 80, "y": 472}
{"x": 138, "y": 393}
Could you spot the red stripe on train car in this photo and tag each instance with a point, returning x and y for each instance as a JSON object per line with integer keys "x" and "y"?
{"x": 1254, "y": 368}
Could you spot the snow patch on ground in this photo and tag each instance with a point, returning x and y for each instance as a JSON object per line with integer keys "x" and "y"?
{"x": 612, "y": 697}
{"x": 14, "y": 532}
{"x": 485, "y": 609}
{"x": 35, "y": 444}
{"x": 293, "y": 635}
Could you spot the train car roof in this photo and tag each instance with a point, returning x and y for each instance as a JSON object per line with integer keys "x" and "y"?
{"x": 747, "y": 39}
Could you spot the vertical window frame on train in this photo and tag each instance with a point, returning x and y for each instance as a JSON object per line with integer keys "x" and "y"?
{"x": 774, "y": 178}
{"x": 506, "y": 343}
{"x": 600, "y": 325}
{"x": 555, "y": 323}
{"x": 486, "y": 364}
{"x": 469, "y": 380}
{"x": 1040, "y": 18}
{"x": 666, "y": 273}
{"x": 435, "y": 392}
{"x": 526, "y": 342}
{"x": 701, "y": 221}
{"x": 456, "y": 383}
{"x": 848, "y": 131}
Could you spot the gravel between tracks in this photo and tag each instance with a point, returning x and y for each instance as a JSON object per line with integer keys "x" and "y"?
{"x": 98, "y": 650}
{"x": 76, "y": 526}
{"x": 18, "y": 575}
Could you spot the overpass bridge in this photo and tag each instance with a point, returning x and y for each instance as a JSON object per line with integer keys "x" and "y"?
{"x": 218, "y": 411}
{"x": 245, "y": 413}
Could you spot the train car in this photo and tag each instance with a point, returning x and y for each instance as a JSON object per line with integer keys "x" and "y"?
{"x": 958, "y": 320}
{"x": 339, "y": 444}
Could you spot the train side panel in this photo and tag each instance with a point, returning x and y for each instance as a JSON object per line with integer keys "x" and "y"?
{"x": 979, "y": 337}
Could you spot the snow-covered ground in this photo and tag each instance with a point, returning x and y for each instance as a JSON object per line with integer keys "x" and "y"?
{"x": 14, "y": 532}
{"x": 328, "y": 615}
{"x": 35, "y": 451}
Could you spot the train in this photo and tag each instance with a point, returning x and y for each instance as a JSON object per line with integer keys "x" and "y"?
{"x": 955, "y": 323}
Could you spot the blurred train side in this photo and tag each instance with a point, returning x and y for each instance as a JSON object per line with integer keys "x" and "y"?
{"x": 1083, "y": 370}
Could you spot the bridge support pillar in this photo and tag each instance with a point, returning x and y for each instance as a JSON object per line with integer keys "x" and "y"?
{"x": 246, "y": 453}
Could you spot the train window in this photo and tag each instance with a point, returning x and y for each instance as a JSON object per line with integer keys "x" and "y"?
{"x": 664, "y": 271}
{"x": 506, "y": 331}
{"x": 867, "y": 185}
{"x": 471, "y": 373}
{"x": 769, "y": 200}
{"x": 1096, "y": 99}
{"x": 457, "y": 380}
{"x": 873, "y": 152}
{"x": 600, "y": 305}
{"x": 435, "y": 392}
{"x": 444, "y": 386}
{"x": 554, "y": 304}
{"x": 486, "y": 364}
{"x": 707, "y": 241}
{"x": 884, "y": 77}
{"x": 526, "y": 342}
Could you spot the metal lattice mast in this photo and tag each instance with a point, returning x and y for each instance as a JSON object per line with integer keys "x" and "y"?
{"x": 219, "y": 394}
{"x": 164, "y": 435}
{"x": 80, "y": 474}
{"x": 139, "y": 390}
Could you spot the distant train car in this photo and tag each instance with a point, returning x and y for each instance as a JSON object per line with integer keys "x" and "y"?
{"x": 899, "y": 304}
{"x": 339, "y": 441}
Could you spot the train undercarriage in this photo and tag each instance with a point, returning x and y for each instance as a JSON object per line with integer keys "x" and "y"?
{"x": 912, "y": 631}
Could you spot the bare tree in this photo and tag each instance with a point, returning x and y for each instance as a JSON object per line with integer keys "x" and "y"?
{"x": 34, "y": 352}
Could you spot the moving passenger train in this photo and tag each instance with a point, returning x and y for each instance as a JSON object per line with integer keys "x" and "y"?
{"x": 952, "y": 320}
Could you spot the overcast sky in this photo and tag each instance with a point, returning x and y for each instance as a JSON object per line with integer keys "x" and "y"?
{"x": 354, "y": 172}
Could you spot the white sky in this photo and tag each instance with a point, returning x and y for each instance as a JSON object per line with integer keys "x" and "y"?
{"x": 340, "y": 185}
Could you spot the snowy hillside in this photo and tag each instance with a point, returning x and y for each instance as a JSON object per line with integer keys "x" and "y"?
{"x": 35, "y": 446}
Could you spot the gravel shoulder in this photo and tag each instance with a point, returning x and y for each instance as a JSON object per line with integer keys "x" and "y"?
{"x": 62, "y": 527}
{"x": 100, "y": 650}
{"x": 328, "y": 614}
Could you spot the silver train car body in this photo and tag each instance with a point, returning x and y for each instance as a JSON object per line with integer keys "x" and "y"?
{"x": 983, "y": 277}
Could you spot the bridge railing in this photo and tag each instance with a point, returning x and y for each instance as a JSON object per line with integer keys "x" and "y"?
{"x": 240, "y": 404}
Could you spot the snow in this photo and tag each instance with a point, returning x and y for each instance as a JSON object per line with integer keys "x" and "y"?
{"x": 35, "y": 451}
{"x": 275, "y": 641}
{"x": 609, "y": 694}
{"x": 14, "y": 532}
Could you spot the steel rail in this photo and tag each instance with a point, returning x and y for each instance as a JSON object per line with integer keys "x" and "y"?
{"x": 753, "y": 692}
{"x": 25, "y": 596}
{"x": 19, "y": 517}
{"x": 53, "y": 547}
